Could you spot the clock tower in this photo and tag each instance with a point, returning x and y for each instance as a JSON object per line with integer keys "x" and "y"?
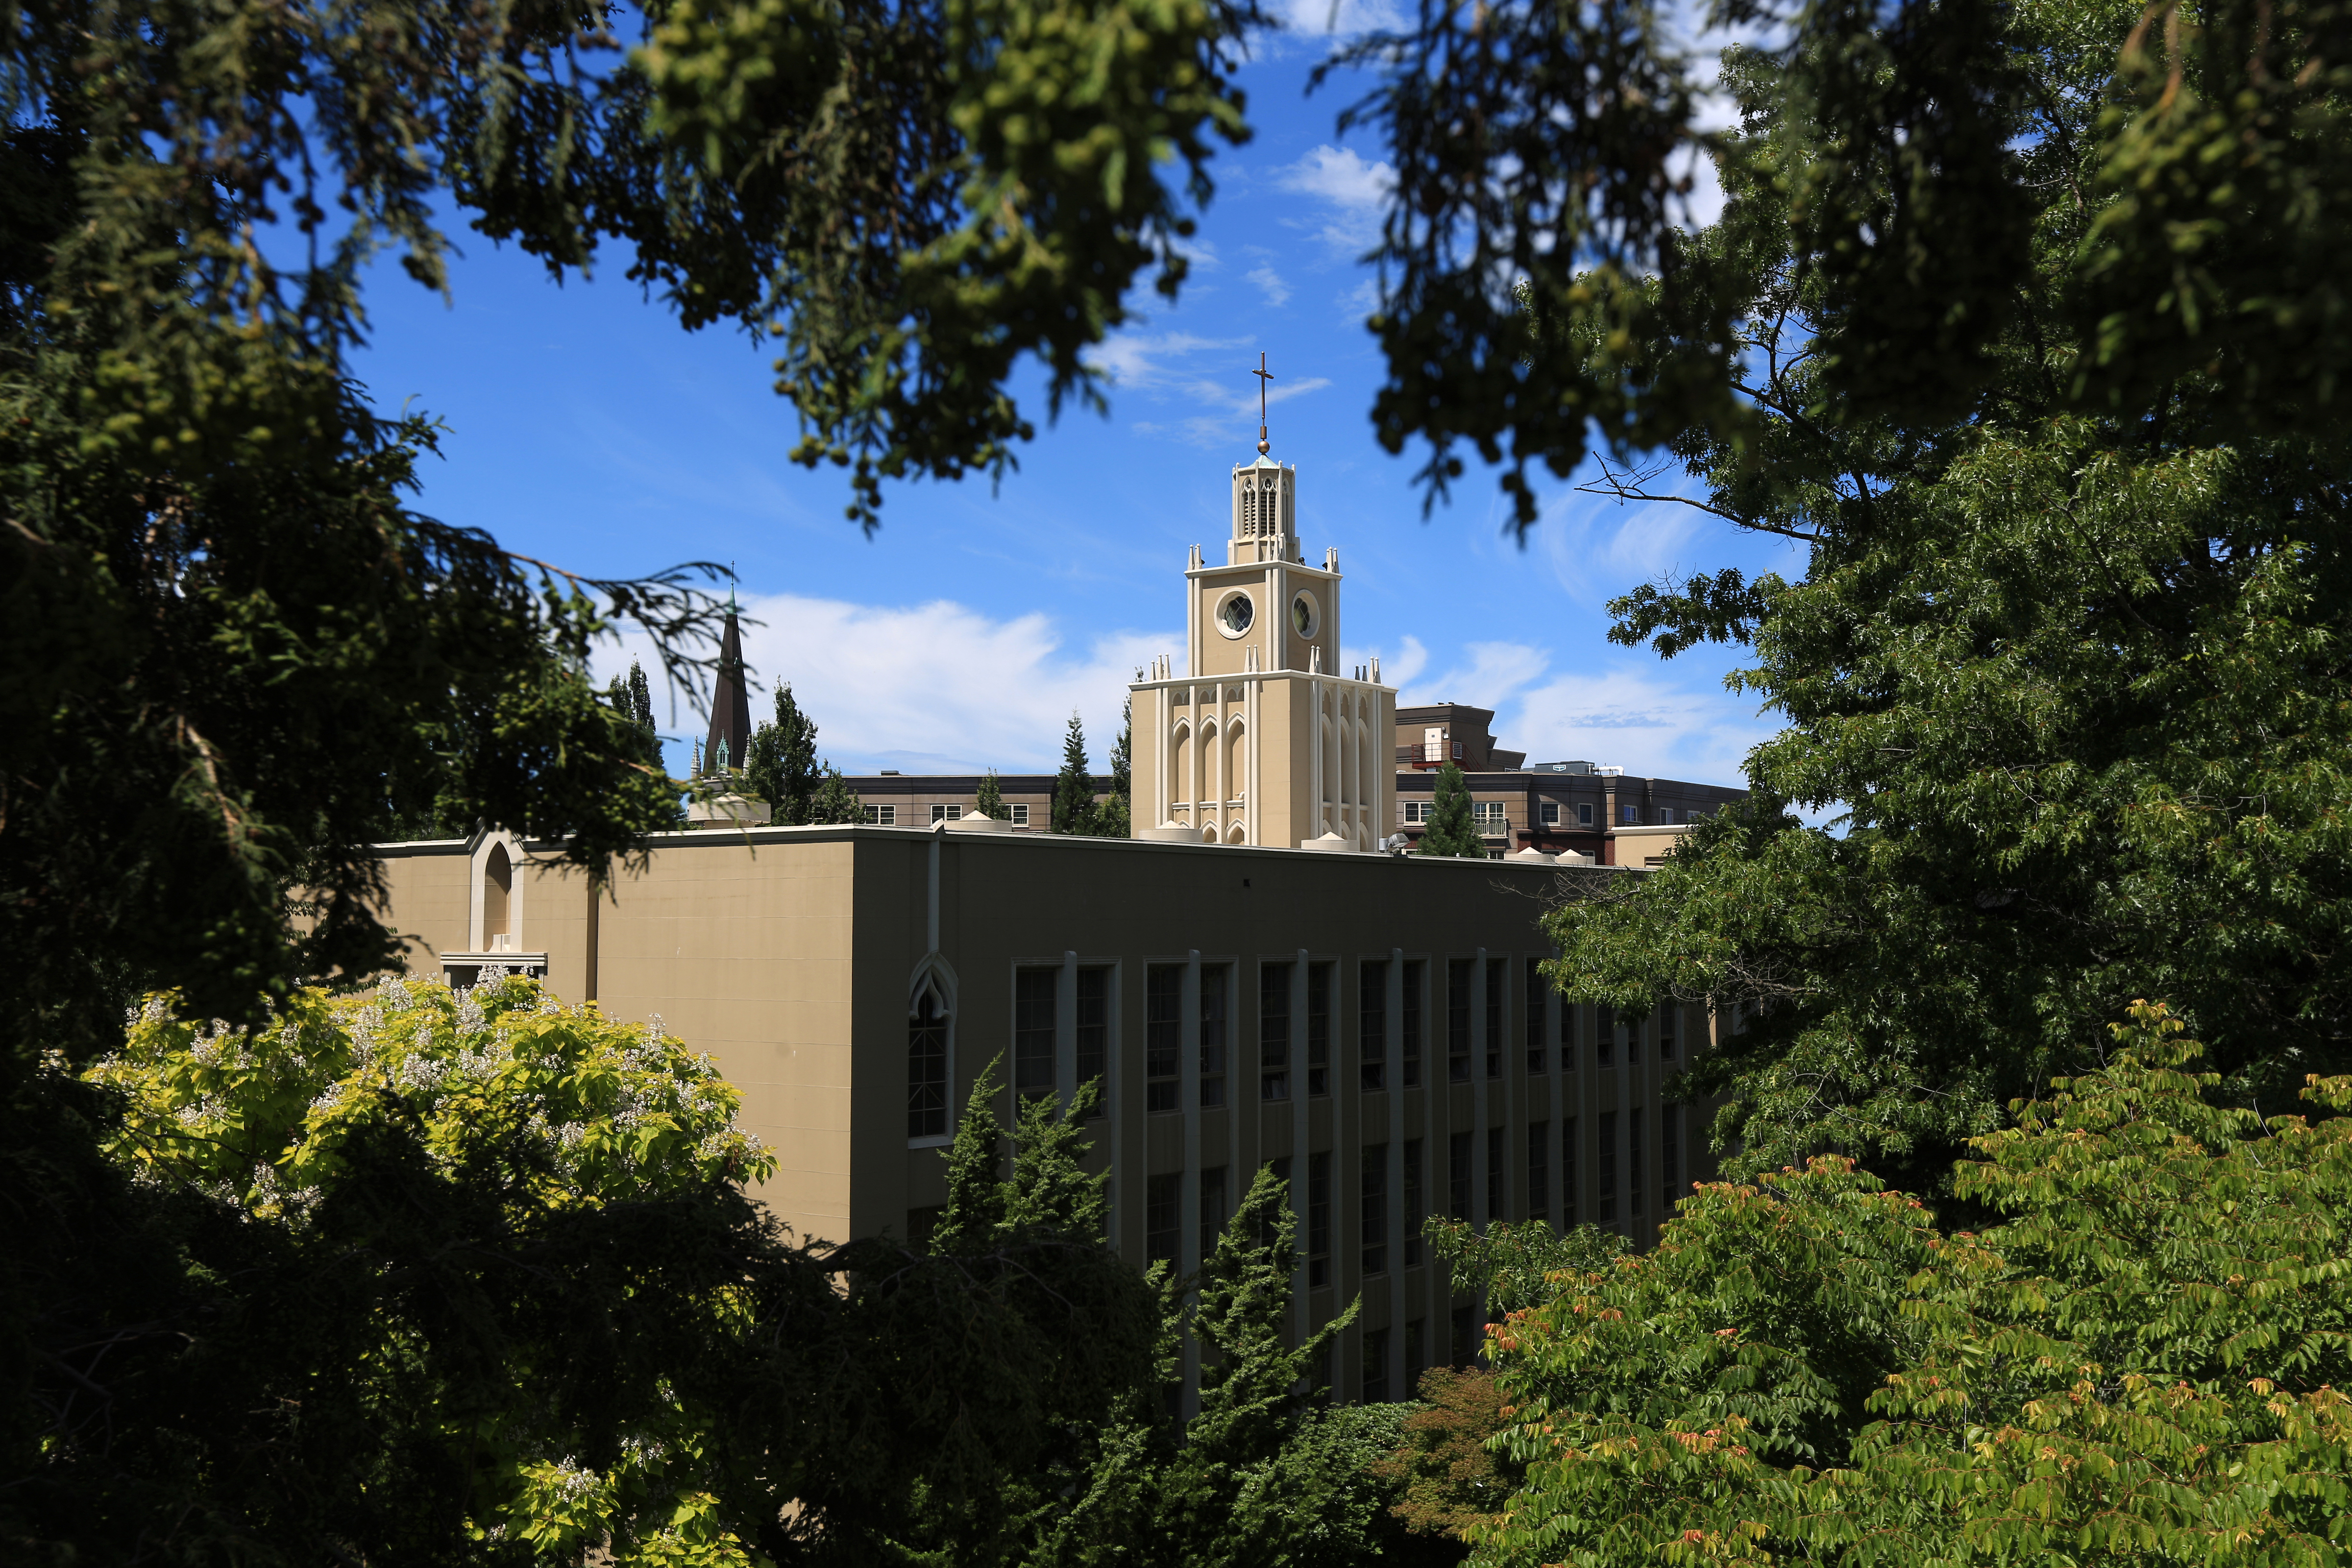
{"x": 1263, "y": 739}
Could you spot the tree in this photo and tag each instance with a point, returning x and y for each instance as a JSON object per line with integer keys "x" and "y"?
{"x": 1452, "y": 829}
{"x": 834, "y": 800}
{"x": 1074, "y": 788}
{"x": 992, "y": 798}
{"x": 470, "y": 1276}
{"x": 641, "y": 697}
{"x": 2064, "y": 680}
{"x": 1117, "y": 812}
{"x": 2146, "y": 1351}
{"x": 1443, "y": 1458}
{"x": 780, "y": 761}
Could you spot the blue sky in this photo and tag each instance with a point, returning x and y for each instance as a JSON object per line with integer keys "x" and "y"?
{"x": 585, "y": 427}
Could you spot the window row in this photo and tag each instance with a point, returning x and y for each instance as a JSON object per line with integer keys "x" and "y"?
{"x": 1493, "y": 817}
{"x": 1298, "y": 1016}
{"x": 887, "y": 816}
{"x": 1548, "y": 1146}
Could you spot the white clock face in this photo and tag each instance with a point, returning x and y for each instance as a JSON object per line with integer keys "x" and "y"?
{"x": 1235, "y": 614}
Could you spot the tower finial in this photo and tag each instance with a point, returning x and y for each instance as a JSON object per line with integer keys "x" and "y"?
{"x": 1263, "y": 376}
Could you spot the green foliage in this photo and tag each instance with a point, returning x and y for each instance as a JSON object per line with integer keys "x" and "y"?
{"x": 2150, "y": 229}
{"x": 992, "y": 798}
{"x": 1443, "y": 1458}
{"x": 1073, "y": 787}
{"x": 469, "y": 1277}
{"x": 834, "y": 800}
{"x": 1118, "y": 809}
{"x": 2064, "y": 678}
{"x": 1452, "y": 829}
{"x": 1509, "y": 1267}
{"x": 552, "y": 1118}
{"x": 641, "y": 697}
{"x": 2141, "y": 1361}
{"x": 780, "y": 761}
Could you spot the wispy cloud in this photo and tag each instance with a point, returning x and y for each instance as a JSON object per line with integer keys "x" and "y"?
{"x": 1487, "y": 678}
{"x": 1641, "y": 722}
{"x": 1350, "y": 188}
{"x": 941, "y": 681}
{"x": 1277, "y": 292}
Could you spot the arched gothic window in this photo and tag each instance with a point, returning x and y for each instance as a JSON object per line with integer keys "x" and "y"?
{"x": 927, "y": 1067}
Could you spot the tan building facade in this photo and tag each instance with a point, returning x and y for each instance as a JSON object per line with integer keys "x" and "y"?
{"x": 1375, "y": 1026}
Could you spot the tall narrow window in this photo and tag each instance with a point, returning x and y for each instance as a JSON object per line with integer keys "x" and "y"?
{"x": 1634, "y": 1161}
{"x": 1670, "y": 1154}
{"x": 1666, "y": 1032}
{"x": 498, "y": 896}
{"x": 1213, "y": 1036}
{"x": 1538, "y": 1170}
{"x": 1375, "y": 1381}
{"x": 1274, "y": 1032}
{"x": 1163, "y": 1217}
{"x": 1605, "y": 1178}
{"x": 1372, "y": 1024}
{"x": 1567, "y": 1016}
{"x": 1604, "y": 1034}
{"x": 1417, "y": 983}
{"x": 1568, "y": 1173}
{"x": 1033, "y": 1032}
{"x": 1457, "y": 1175}
{"x": 1498, "y": 1004}
{"x": 1212, "y": 1210}
{"x": 1094, "y": 1031}
{"x": 1457, "y": 1020}
{"x": 1465, "y": 1334}
{"x": 1498, "y": 1175}
{"x": 927, "y": 1068}
{"x": 1538, "y": 994}
{"x": 1373, "y": 1196}
{"x": 1412, "y": 1202}
{"x": 1416, "y": 1354}
{"x": 1164, "y": 1035}
{"x": 1318, "y": 1028}
{"x": 1318, "y": 1219}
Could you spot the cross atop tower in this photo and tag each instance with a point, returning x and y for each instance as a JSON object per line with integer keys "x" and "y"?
{"x": 1263, "y": 376}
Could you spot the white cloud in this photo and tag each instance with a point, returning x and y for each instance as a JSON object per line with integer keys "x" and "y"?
{"x": 1319, "y": 19}
{"x": 1352, "y": 189}
{"x": 1138, "y": 360}
{"x": 1635, "y": 720}
{"x": 1277, "y": 292}
{"x": 1495, "y": 671}
{"x": 1363, "y": 299}
{"x": 941, "y": 685}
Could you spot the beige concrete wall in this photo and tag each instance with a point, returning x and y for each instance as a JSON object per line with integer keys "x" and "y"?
{"x": 790, "y": 954}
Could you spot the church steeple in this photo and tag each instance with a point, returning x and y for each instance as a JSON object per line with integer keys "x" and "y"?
{"x": 731, "y": 703}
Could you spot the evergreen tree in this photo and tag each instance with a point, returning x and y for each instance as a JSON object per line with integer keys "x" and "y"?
{"x": 1453, "y": 829}
{"x": 833, "y": 801}
{"x": 992, "y": 798}
{"x": 780, "y": 761}
{"x": 1118, "y": 812}
{"x": 641, "y": 697}
{"x": 1074, "y": 788}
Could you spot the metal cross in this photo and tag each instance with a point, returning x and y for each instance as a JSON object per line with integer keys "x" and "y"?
{"x": 1263, "y": 376}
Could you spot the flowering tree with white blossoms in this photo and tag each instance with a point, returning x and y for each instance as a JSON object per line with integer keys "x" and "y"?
{"x": 562, "y": 1108}
{"x": 471, "y": 1277}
